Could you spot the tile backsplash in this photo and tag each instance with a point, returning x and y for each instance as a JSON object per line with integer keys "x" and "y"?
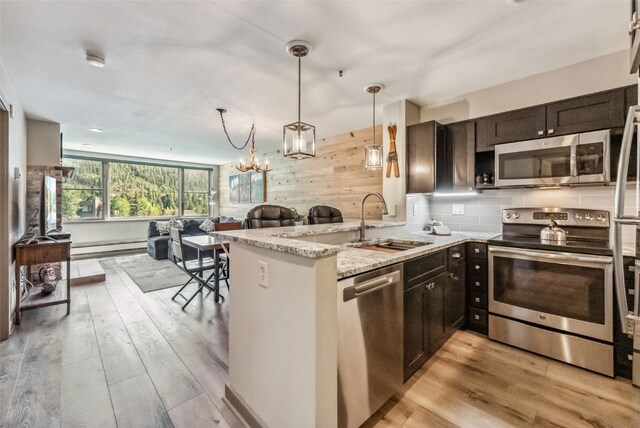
{"x": 482, "y": 213}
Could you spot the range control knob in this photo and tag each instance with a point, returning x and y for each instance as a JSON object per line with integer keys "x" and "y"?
{"x": 516, "y": 215}
{"x": 578, "y": 216}
{"x": 588, "y": 217}
{"x": 507, "y": 215}
{"x": 601, "y": 217}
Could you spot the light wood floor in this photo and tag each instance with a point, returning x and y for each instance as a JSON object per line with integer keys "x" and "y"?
{"x": 128, "y": 359}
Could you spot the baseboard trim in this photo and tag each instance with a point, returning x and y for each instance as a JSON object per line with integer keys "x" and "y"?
{"x": 241, "y": 409}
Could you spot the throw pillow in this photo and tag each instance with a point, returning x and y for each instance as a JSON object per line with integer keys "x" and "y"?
{"x": 208, "y": 226}
{"x": 174, "y": 223}
{"x": 163, "y": 227}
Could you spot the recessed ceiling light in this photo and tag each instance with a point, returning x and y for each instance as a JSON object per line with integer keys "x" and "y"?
{"x": 87, "y": 145}
{"x": 95, "y": 60}
{"x": 95, "y": 130}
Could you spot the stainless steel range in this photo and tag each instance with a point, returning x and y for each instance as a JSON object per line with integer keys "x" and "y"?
{"x": 554, "y": 297}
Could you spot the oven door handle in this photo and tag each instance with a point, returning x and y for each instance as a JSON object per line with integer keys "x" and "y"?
{"x": 559, "y": 257}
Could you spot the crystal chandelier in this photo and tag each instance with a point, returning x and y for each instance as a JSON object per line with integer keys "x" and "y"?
{"x": 299, "y": 138}
{"x": 254, "y": 163}
{"x": 373, "y": 152}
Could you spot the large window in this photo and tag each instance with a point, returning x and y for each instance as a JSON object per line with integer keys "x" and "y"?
{"x": 82, "y": 197}
{"x": 143, "y": 190}
{"x": 134, "y": 190}
{"x": 195, "y": 194}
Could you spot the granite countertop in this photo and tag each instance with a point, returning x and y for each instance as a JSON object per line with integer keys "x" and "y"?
{"x": 283, "y": 238}
{"x": 351, "y": 260}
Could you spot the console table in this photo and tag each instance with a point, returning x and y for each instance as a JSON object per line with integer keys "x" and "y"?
{"x": 41, "y": 253}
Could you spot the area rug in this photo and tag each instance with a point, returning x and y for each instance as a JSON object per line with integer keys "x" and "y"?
{"x": 150, "y": 274}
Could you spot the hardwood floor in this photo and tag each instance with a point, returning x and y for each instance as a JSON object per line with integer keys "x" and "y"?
{"x": 128, "y": 359}
{"x": 474, "y": 382}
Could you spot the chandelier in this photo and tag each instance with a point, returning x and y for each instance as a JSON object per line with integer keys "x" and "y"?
{"x": 254, "y": 163}
{"x": 373, "y": 152}
{"x": 299, "y": 138}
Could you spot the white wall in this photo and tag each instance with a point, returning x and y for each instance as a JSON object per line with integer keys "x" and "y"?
{"x": 43, "y": 143}
{"x": 598, "y": 74}
{"x": 401, "y": 113}
{"x": 13, "y": 200}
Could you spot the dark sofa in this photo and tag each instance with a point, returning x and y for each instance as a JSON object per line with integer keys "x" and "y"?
{"x": 158, "y": 245}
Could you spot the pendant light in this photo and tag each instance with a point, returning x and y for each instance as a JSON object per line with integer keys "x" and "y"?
{"x": 373, "y": 152}
{"x": 299, "y": 138}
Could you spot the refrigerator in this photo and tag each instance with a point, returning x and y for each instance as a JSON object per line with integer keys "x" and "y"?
{"x": 629, "y": 223}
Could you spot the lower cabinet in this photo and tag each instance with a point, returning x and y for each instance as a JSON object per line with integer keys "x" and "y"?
{"x": 434, "y": 309}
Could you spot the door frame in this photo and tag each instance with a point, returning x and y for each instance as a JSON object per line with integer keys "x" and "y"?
{"x": 5, "y": 245}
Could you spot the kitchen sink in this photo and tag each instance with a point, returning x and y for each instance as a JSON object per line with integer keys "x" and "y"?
{"x": 388, "y": 245}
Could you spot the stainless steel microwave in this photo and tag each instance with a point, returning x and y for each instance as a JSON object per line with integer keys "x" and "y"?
{"x": 566, "y": 160}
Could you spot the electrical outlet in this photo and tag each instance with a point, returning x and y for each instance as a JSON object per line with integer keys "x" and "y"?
{"x": 264, "y": 274}
{"x": 415, "y": 209}
{"x": 457, "y": 209}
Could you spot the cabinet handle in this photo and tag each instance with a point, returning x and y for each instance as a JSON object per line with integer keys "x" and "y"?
{"x": 477, "y": 267}
{"x": 540, "y": 132}
{"x": 550, "y": 131}
{"x": 476, "y": 317}
{"x": 631, "y": 292}
{"x": 456, "y": 255}
{"x": 477, "y": 283}
{"x": 430, "y": 286}
{"x": 630, "y": 357}
{"x": 476, "y": 299}
{"x": 476, "y": 250}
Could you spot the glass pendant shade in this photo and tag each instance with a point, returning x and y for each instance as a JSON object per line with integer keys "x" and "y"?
{"x": 373, "y": 157}
{"x": 299, "y": 140}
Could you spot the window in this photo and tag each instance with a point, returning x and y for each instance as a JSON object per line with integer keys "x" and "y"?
{"x": 195, "y": 193}
{"x": 82, "y": 195}
{"x": 137, "y": 190}
{"x": 133, "y": 190}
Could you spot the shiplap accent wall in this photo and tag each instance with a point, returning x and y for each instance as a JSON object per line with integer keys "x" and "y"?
{"x": 335, "y": 177}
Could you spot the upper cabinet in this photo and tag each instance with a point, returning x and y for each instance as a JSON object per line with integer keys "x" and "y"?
{"x": 601, "y": 110}
{"x": 461, "y": 139}
{"x": 591, "y": 112}
{"x": 517, "y": 125}
{"x": 425, "y": 142}
{"x": 440, "y": 158}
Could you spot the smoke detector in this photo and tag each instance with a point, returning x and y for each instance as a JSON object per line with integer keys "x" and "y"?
{"x": 95, "y": 60}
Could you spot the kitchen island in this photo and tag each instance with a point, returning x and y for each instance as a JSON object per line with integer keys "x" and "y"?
{"x": 283, "y": 317}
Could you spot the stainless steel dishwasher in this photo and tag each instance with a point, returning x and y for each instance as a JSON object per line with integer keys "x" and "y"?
{"x": 369, "y": 343}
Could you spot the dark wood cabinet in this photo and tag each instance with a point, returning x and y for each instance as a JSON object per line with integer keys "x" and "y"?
{"x": 454, "y": 297}
{"x": 601, "y": 110}
{"x": 416, "y": 335}
{"x": 426, "y": 143}
{"x": 476, "y": 287}
{"x": 434, "y": 304}
{"x": 461, "y": 139}
{"x": 516, "y": 125}
{"x": 588, "y": 113}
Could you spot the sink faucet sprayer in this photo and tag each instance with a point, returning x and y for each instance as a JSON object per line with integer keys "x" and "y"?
{"x": 384, "y": 211}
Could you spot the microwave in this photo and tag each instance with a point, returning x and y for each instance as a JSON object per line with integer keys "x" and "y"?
{"x": 559, "y": 161}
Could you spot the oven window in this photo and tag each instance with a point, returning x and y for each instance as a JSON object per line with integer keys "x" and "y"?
{"x": 575, "y": 292}
{"x": 544, "y": 163}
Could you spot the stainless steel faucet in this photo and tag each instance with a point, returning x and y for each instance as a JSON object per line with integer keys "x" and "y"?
{"x": 384, "y": 212}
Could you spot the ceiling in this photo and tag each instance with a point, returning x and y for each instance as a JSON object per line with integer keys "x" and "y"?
{"x": 170, "y": 64}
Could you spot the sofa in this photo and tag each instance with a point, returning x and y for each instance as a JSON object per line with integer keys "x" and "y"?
{"x": 158, "y": 246}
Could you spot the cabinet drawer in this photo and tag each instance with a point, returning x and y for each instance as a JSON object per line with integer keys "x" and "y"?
{"x": 477, "y": 283}
{"x": 477, "y": 299}
{"x": 477, "y": 267}
{"x": 456, "y": 253}
{"x": 477, "y": 317}
{"x": 423, "y": 268}
{"x": 477, "y": 250}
